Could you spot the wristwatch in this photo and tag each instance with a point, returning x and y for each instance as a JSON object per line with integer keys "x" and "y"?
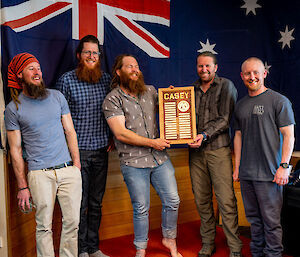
{"x": 284, "y": 165}
{"x": 204, "y": 136}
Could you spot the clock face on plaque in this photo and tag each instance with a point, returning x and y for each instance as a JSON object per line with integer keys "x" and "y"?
{"x": 177, "y": 117}
{"x": 183, "y": 106}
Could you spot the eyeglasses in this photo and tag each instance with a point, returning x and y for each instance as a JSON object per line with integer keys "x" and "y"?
{"x": 91, "y": 53}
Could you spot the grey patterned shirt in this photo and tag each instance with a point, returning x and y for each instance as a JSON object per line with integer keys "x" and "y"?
{"x": 140, "y": 117}
{"x": 214, "y": 109}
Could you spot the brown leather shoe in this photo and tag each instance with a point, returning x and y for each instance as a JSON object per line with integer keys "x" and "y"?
{"x": 207, "y": 250}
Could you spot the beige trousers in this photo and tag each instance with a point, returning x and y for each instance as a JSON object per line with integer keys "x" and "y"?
{"x": 45, "y": 186}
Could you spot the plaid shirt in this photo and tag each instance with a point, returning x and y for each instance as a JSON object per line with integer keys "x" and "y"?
{"x": 214, "y": 110}
{"x": 85, "y": 102}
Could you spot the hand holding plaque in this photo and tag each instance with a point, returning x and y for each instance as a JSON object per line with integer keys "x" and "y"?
{"x": 177, "y": 118}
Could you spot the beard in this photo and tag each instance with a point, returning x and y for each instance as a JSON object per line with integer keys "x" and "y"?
{"x": 252, "y": 87}
{"x": 209, "y": 78}
{"x": 35, "y": 91}
{"x": 89, "y": 75}
{"x": 133, "y": 86}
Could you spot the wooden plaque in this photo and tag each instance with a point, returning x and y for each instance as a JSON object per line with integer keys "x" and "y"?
{"x": 177, "y": 120}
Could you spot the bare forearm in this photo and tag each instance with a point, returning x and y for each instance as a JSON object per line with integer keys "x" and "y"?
{"x": 128, "y": 137}
{"x": 73, "y": 147}
{"x": 19, "y": 167}
{"x": 237, "y": 149}
{"x": 117, "y": 126}
{"x": 14, "y": 140}
{"x": 71, "y": 138}
{"x": 287, "y": 143}
{"x": 287, "y": 148}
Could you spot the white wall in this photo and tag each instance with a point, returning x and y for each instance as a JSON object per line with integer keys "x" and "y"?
{"x": 3, "y": 208}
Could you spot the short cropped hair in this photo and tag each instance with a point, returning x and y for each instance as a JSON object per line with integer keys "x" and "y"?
{"x": 209, "y": 54}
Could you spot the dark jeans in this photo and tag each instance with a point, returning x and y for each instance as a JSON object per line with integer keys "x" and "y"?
{"x": 263, "y": 202}
{"x": 94, "y": 173}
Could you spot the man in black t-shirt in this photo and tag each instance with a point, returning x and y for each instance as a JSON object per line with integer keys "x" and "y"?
{"x": 263, "y": 145}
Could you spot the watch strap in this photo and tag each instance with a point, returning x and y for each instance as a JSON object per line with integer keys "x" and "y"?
{"x": 204, "y": 136}
{"x": 284, "y": 165}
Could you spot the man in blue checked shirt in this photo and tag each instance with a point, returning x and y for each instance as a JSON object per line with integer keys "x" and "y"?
{"x": 85, "y": 89}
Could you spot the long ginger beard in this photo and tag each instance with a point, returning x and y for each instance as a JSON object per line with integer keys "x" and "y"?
{"x": 135, "y": 87}
{"x": 89, "y": 75}
{"x": 35, "y": 91}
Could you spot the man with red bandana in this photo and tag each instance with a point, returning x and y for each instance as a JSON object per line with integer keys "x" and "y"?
{"x": 40, "y": 119}
{"x": 263, "y": 145}
{"x": 85, "y": 89}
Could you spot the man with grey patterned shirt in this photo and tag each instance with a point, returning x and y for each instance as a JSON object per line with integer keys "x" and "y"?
{"x": 130, "y": 110}
{"x": 210, "y": 155}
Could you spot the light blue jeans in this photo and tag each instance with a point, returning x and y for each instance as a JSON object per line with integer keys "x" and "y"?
{"x": 163, "y": 180}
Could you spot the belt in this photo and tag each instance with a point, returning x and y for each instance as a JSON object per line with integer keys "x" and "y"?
{"x": 63, "y": 165}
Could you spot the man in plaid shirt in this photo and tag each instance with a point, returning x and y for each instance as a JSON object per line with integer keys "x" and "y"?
{"x": 85, "y": 89}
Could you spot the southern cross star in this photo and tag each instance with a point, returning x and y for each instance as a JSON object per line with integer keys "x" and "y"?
{"x": 250, "y": 6}
{"x": 286, "y": 37}
{"x": 207, "y": 47}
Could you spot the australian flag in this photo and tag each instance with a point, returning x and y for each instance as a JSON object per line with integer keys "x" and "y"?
{"x": 164, "y": 35}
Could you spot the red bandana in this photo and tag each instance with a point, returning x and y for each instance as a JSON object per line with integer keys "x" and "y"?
{"x": 16, "y": 66}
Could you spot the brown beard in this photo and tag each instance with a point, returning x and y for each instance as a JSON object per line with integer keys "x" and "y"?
{"x": 210, "y": 78}
{"x": 88, "y": 75}
{"x": 133, "y": 86}
{"x": 35, "y": 91}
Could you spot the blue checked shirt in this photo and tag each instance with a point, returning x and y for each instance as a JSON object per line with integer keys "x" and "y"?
{"x": 85, "y": 103}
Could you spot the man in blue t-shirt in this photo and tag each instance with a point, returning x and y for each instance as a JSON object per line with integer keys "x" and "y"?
{"x": 263, "y": 145}
{"x": 40, "y": 119}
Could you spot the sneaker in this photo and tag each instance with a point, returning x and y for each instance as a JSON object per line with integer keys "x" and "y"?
{"x": 84, "y": 255}
{"x": 207, "y": 250}
{"x": 98, "y": 254}
{"x": 236, "y": 254}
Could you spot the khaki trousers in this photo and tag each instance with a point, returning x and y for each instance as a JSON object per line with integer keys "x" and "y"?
{"x": 213, "y": 169}
{"x": 45, "y": 186}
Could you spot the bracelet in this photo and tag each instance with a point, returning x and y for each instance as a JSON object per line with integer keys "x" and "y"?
{"x": 23, "y": 188}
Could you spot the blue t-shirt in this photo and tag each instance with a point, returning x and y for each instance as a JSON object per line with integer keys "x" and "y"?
{"x": 39, "y": 121}
{"x": 259, "y": 119}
